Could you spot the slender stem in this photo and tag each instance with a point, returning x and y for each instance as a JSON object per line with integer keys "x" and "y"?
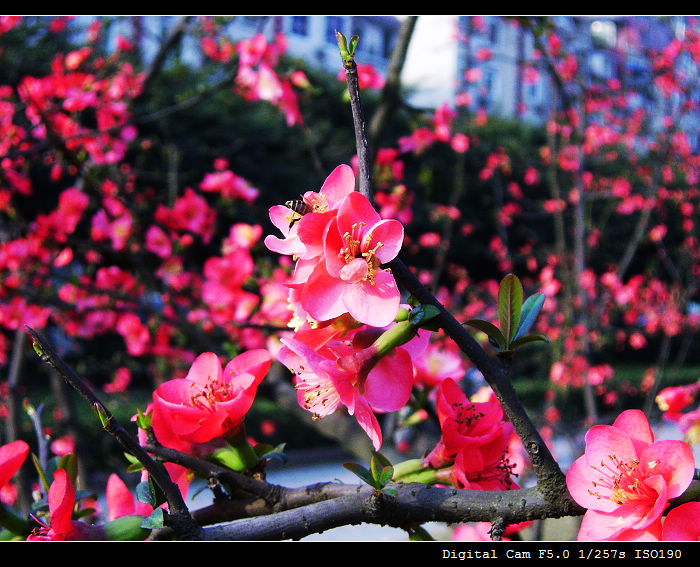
{"x": 179, "y": 517}
{"x": 363, "y": 150}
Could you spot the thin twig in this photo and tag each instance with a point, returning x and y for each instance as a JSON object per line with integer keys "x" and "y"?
{"x": 363, "y": 150}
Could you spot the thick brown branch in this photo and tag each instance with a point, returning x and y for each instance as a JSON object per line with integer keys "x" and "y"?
{"x": 413, "y": 503}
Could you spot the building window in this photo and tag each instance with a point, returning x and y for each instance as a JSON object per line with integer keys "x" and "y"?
{"x": 333, "y": 24}
{"x": 300, "y": 25}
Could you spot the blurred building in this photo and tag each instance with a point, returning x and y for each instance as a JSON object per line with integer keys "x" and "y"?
{"x": 492, "y": 52}
{"x": 313, "y": 38}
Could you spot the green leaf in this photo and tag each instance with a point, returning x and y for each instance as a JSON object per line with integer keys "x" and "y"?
{"x": 150, "y": 493}
{"x": 381, "y": 459}
{"x": 143, "y": 493}
{"x": 528, "y": 339}
{"x": 381, "y": 469}
{"x": 386, "y": 475}
{"x": 531, "y": 308}
{"x": 421, "y": 314}
{"x": 128, "y": 528}
{"x": 354, "y": 40}
{"x": 360, "y": 471}
{"x": 510, "y": 301}
{"x": 134, "y": 464}
{"x": 154, "y": 521}
{"x": 42, "y": 473}
{"x": 490, "y": 329}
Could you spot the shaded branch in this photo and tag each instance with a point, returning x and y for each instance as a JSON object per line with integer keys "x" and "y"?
{"x": 413, "y": 503}
{"x": 363, "y": 150}
{"x": 159, "y": 60}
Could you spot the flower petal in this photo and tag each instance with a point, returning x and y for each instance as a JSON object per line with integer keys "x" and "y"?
{"x": 635, "y": 424}
{"x": 205, "y": 368}
{"x": 673, "y": 460}
{"x": 390, "y": 234}
{"x": 322, "y": 296}
{"x": 375, "y": 304}
{"x": 389, "y": 383}
{"x": 339, "y": 184}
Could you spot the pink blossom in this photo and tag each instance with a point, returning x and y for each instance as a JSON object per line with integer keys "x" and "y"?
{"x": 61, "y": 526}
{"x": 229, "y": 185}
{"x": 303, "y": 233}
{"x": 682, "y": 523}
{"x": 437, "y": 364}
{"x": 209, "y": 403}
{"x": 625, "y": 479}
{"x": 323, "y": 385}
{"x": 474, "y": 441}
{"x": 63, "y": 445}
{"x": 350, "y": 280}
{"x": 121, "y": 502}
{"x": 120, "y": 381}
{"x": 673, "y": 399}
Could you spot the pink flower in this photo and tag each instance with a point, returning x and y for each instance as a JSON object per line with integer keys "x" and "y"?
{"x": 364, "y": 388}
{"x": 209, "y": 403}
{"x": 625, "y": 479}
{"x": 674, "y": 399}
{"x": 682, "y": 523}
{"x": 121, "y": 502}
{"x": 436, "y": 365}
{"x": 350, "y": 280}
{"x": 474, "y": 442}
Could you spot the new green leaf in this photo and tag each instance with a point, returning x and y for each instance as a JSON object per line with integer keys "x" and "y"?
{"x": 510, "y": 301}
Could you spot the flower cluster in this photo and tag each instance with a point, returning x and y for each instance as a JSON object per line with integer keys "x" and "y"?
{"x": 343, "y": 302}
{"x": 339, "y": 242}
{"x": 473, "y": 449}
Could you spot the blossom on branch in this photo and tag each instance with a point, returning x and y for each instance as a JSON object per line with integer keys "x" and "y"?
{"x": 473, "y": 449}
{"x": 625, "y": 479}
{"x": 352, "y": 373}
{"x": 210, "y": 403}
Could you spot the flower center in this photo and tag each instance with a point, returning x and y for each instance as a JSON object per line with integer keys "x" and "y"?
{"x": 319, "y": 395}
{"x": 621, "y": 480}
{"x": 317, "y": 202}
{"x": 361, "y": 261}
{"x": 208, "y": 396}
{"x": 466, "y": 415}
